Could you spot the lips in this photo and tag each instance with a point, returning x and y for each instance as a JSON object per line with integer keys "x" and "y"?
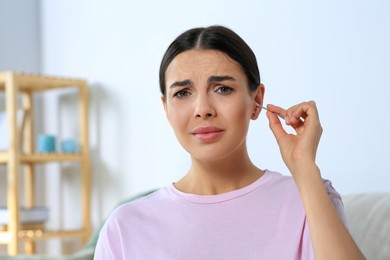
{"x": 207, "y": 133}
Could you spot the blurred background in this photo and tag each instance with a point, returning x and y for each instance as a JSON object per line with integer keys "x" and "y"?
{"x": 334, "y": 52}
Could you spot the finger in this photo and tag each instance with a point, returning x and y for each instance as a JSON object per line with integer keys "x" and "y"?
{"x": 296, "y": 118}
{"x": 304, "y": 110}
{"x": 276, "y": 109}
{"x": 276, "y": 126}
{"x": 298, "y": 114}
{"x": 309, "y": 119}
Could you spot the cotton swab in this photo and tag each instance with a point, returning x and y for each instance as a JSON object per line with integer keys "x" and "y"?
{"x": 279, "y": 115}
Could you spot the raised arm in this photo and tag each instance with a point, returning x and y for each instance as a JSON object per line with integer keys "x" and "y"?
{"x": 330, "y": 237}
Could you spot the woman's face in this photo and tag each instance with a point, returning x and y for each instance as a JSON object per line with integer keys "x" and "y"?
{"x": 208, "y": 103}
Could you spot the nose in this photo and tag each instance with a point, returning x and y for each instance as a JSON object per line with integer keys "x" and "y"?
{"x": 204, "y": 108}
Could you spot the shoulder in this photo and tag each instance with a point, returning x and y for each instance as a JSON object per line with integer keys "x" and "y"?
{"x": 280, "y": 182}
{"x": 277, "y": 179}
{"x": 129, "y": 211}
{"x": 284, "y": 187}
{"x": 285, "y": 184}
{"x": 279, "y": 190}
{"x": 122, "y": 223}
{"x": 139, "y": 202}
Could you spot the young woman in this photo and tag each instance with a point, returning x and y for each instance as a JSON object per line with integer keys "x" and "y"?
{"x": 225, "y": 207}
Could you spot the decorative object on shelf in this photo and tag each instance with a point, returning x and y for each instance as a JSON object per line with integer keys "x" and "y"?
{"x": 69, "y": 146}
{"x": 46, "y": 143}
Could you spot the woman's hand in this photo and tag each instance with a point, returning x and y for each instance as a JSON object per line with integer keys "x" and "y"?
{"x": 330, "y": 238}
{"x": 297, "y": 150}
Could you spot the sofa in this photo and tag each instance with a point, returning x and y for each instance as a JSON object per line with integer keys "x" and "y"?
{"x": 368, "y": 216}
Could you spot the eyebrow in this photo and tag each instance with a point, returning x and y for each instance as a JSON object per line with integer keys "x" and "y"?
{"x": 220, "y": 78}
{"x": 182, "y": 83}
{"x": 211, "y": 79}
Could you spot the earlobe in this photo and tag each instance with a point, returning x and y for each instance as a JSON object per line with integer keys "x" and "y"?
{"x": 255, "y": 113}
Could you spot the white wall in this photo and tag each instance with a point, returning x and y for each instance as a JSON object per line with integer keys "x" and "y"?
{"x": 20, "y": 36}
{"x": 335, "y": 52}
{"x": 19, "y": 51}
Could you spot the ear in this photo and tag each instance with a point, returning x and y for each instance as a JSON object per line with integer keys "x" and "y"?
{"x": 258, "y": 97}
{"x": 164, "y": 103}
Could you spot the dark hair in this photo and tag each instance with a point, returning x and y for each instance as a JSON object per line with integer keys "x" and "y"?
{"x": 214, "y": 38}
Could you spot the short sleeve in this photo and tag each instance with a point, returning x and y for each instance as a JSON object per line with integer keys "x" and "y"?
{"x": 307, "y": 249}
{"x": 336, "y": 200}
{"x": 109, "y": 243}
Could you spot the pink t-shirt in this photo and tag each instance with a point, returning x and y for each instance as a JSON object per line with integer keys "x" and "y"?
{"x": 264, "y": 220}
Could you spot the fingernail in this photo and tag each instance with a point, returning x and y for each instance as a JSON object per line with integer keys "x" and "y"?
{"x": 287, "y": 119}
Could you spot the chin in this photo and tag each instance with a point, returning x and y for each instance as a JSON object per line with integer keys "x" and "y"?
{"x": 211, "y": 154}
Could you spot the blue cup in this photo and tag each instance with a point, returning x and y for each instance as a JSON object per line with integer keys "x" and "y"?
{"x": 46, "y": 143}
{"x": 69, "y": 146}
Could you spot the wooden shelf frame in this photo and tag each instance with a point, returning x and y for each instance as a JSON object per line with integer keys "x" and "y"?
{"x": 40, "y": 234}
{"x": 15, "y": 84}
{"x": 43, "y": 158}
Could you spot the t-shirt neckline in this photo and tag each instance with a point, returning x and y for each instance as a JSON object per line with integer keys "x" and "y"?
{"x": 210, "y": 199}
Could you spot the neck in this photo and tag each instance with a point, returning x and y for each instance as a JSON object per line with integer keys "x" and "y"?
{"x": 219, "y": 176}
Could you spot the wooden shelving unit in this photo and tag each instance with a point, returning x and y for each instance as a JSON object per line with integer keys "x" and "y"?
{"x": 25, "y": 85}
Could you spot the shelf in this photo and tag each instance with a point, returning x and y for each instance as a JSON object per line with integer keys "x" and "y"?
{"x": 38, "y": 234}
{"x": 19, "y": 90}
{"x": 26, "y": 226}
{"x": 43, "y": 158}
{"x": 3, "y": 157}
{"x": 36, "y": 82}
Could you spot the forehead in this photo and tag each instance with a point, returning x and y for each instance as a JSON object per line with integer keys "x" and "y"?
{"x": 195, "y": 63}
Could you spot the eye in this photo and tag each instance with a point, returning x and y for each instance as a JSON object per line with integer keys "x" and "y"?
{"x": 182, "y": 93}
{"x": 224, "y": 90}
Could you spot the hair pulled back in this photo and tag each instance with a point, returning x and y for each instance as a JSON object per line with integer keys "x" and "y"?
{"x": 213, "y": 38}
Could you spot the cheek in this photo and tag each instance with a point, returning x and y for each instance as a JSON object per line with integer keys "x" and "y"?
{"x": 177, "y": 117}
{"x": 241, "y": 120}
{"x": 239, "y": 112}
